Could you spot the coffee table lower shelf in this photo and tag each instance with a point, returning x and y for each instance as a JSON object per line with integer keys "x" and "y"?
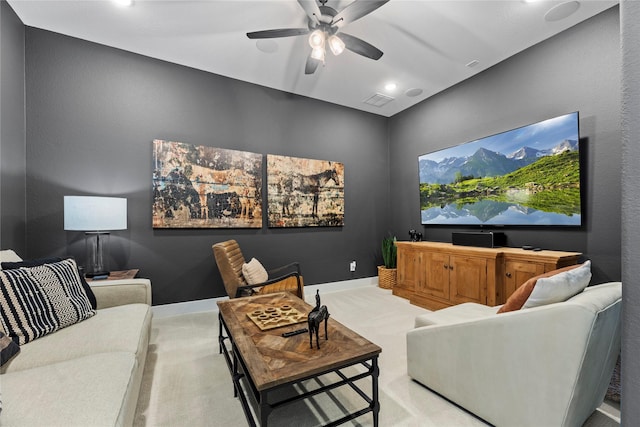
{"x": 265, "y": 398}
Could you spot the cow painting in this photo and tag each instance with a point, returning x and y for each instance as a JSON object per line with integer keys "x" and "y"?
{"x": 205, "y": 187}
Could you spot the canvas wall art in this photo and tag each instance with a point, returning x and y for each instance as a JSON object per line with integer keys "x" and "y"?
{"x": 205, "y": 187}
{"x": 304, "y": 192}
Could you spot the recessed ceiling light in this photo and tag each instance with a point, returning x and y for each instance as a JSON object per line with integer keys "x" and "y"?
{"x": 413, "y": 92}
{"x": 125, "y": 3}
{"x": 561, "y": 11}
{"x": 390, "y": 87}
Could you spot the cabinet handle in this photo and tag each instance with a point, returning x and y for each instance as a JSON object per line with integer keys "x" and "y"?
{"x": 446, "y": 266}
{"x": 451, "y": 267}
{"x": 508, "y": 274}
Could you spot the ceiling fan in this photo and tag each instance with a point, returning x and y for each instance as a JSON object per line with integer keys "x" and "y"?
{"x": 324, "y": 26}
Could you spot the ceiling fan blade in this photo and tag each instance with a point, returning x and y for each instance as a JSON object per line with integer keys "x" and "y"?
{"x": 360, "y": 47}
{"x": 311, "y": 9}
{"x": 282, "y": 32}
{"x": 356, "y": 10}
{"x": 311, "y": 66}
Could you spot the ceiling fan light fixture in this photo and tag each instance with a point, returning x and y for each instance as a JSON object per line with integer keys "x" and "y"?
{"x": 316, "y": 39}
{"x": 336, "y": 45}
{"x": 318, "y": 53}
{"x": 324, "y": 23}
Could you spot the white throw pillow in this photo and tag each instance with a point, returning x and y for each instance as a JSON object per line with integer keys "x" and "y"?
{"x": 254, "y": 273}
{"x": 561, "y": 287}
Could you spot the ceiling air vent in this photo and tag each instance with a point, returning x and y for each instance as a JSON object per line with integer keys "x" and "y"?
{"x": 378, "y": 100}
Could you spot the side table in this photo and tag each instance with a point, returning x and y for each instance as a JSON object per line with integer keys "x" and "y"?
{"x": 117, "y": 275}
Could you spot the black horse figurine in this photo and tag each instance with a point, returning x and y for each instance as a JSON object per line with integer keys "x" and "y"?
{"x": 317, "y": 315}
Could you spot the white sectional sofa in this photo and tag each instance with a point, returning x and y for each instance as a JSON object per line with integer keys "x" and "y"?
{"x": 87, "y": 374}
{"x": 543, "y": 366}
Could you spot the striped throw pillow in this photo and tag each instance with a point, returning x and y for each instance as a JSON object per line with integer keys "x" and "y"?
{"x": 37, "y": 301}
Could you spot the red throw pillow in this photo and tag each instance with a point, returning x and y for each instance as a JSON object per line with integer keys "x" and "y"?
{"x": 522, "y": 294}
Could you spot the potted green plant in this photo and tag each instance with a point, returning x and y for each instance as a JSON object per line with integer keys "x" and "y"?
{"x": 387, "y": 273}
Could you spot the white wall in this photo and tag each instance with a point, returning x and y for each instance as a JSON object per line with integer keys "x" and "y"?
{"x": 630, "y": 42}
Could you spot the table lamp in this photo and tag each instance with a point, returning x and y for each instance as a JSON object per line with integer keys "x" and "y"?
{"x": 96, "y": 216}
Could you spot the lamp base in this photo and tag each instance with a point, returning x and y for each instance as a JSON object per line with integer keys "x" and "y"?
{"x": 97, "y": 253}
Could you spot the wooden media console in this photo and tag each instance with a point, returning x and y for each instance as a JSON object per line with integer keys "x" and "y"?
{"x": 436, "y": 275}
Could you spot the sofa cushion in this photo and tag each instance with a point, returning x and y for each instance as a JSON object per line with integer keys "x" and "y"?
{"x": 457, "y": 313}
{"x": 553, "y": 286}
{"x": 40, "y": 300}
{"x": 124, "y": 328}
{"x": 8, "y": 348}
{"x": 254, "y": 273}
{"x": 95, "y": 390}
{"x": 111, "y": 293}
{"x": 8, "y": 255}
{"x": 41, "y": 261}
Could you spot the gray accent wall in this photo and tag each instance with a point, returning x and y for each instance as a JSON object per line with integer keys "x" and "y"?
{"x": 12, "y": 132}
{"x": 577, "y": 70}
{"x": 93, "y": 112}
{"x": 630, "y": 41}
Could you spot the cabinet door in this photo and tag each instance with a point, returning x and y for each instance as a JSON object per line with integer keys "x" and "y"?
{"x": 435, "y": 280}
{"x": 468, "y": 279}
{"x": 408, "y": 268}
{"x": 518, "y": 272}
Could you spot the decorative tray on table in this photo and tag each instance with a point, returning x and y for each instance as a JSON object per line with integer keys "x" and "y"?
{"x": 271, "y": 317}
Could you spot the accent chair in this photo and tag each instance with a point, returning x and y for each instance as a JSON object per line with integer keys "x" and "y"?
{"x": 230, "y": 262}
{"x": 548, "y": 365}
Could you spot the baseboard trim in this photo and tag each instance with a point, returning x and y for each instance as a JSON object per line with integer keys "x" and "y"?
{"x": 188, "y": 307}
{"x": 343, "y": 285}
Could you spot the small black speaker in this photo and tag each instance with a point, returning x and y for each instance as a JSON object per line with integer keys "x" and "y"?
{"x": 483, "y": 239}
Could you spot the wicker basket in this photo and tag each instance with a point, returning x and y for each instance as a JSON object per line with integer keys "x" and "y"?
{"x": 387, "y": 277}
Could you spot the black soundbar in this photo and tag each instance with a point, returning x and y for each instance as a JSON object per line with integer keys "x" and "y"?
{"x": 483, "y": 239}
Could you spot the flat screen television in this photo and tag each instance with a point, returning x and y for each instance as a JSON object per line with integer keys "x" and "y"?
{"x": 529, "y": 176}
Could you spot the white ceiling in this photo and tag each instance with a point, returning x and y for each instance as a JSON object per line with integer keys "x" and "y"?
{"x": 426, "y": 43}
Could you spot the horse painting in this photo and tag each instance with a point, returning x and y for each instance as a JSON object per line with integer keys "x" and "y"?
{"x": 205, "y": 187}
{"x": 311, "y": 184}
{"x": 304, "y": 192}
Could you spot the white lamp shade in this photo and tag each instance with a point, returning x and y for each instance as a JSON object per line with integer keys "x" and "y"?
{"x": 89, "y": 213}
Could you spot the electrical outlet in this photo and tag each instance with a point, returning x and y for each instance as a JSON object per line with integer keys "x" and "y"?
{"x": 352, "y": 266}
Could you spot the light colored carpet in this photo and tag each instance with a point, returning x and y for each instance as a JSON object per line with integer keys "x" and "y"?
{"x": 187, "y": 383}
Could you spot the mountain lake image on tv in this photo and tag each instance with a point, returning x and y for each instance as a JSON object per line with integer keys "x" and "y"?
{"x": 529, "y": 176}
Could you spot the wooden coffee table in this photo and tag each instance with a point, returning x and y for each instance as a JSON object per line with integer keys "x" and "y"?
{"x": 265, "y": 362}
